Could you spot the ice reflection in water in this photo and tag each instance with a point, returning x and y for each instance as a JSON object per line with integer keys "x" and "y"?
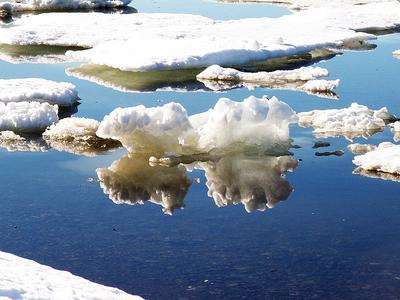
{"x": 257, "y": 182}
{"x": 131, "y": 180}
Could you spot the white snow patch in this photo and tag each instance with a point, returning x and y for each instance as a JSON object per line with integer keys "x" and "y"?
{"x": 386, "y": 158}
{"x": 230, "y": 126}
{"x": 350, "y": 122}
{"x": 195, "y": 41}
{"x": 29, "y": 117}
{"x": 25, "y": 279}
{"x": 37, "y": 89}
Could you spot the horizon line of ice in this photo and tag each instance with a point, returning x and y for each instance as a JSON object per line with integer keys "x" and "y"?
{"x": 26, "y": 279}
{"x": 10, "y": 7}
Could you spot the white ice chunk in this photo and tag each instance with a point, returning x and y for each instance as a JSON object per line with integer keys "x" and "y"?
{"x": 37, "y": 89}
{"x": 261, "y": 124}
{"x": 131, "y": 180}
{"x": 386, "y": 158}
{"x": 30, "y": 117}
{"x": 256, "y": 182}
{"x": 396, "y": 53}
{"x": 32, "y": 5}
{"x": 25, "y": 279}
{"x": 361, "y": 148}
{"x": 195, "y": 41}
{"x": 350, "y": 122}
{"x": 77, "y": 135}
{"x": 303, "y": 78}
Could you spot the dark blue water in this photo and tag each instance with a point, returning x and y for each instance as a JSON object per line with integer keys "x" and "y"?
{"x": 335, "y": 237}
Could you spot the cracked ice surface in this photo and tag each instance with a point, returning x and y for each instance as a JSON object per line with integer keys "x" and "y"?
{"x": 25, "y": 279}
{"x": 195, "y": 41}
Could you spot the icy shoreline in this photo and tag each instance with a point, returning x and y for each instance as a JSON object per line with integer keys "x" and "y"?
{"x": 25, "y": 279}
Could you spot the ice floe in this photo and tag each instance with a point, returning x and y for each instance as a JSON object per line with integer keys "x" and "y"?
{"x": 131, "y": 180}
{"x": 385, "y": 158}
{"x": 78, "y": 136}
{"x": 13, "y": 6}
{"x": 396, "y": 54}
{"x": 27, "y": 117}
{"x": 38, "y": 89}
{"x": 360, "y": 148}
{"x": 252, "y": 125}
{"x": 194, "y": 41}
{"x": 305, "y": 78}
{"x": 350, "y": 122}
{"x": 25, "y": 279}
{"x": 256, "y": 182}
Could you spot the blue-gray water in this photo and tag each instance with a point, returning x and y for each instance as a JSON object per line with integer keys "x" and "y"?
{"x": 335, "y": 237}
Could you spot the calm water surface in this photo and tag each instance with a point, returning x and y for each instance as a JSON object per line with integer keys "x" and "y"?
{"x": 335, "y": 237}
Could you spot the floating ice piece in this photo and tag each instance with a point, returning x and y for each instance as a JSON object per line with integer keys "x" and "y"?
{"x": 25, "y": 279}
{"x": 395, "y": 128}
{"x": 256, "y": 182}
{"x": 194, "y": 41}
{"x": 131, "y": 180}
{"x": 218, "y": 78}
{"x": 11, "y": 7}
{"x": 361, "y": 148}
{"x": 13, "y": 142}
{"x": 386, "y": 158}
{"x": 37, "y": 89}
{"x": 396, "y": 53}
{"x": 78, "y": 135}
{"x": 28, "y": 117}
{"x": 251, "y": 125}
{"x": 350, "y": 122}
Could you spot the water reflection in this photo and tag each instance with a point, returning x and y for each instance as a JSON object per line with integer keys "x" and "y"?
{"x": 131, "y": 180}
{"x": 377, "y": 174}
{"x": 258, "y": 182}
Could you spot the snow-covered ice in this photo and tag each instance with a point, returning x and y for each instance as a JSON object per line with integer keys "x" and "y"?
{"x": 350, "y": 122}
{"x": 256, "y": 182}
{"x": 28, "y": 117}
{"x": 38, "y": 89}
{"x": 25, "y": 279}
{"x": 305, "y": 78}
{"x": 11, "y": 7}
{"x": 131, "y": 180}
{"x": 385, "y": 158}
{"x": 78, "y": 135}
{"x": 252, "y": 125}
{"x": 195, "y": 41}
